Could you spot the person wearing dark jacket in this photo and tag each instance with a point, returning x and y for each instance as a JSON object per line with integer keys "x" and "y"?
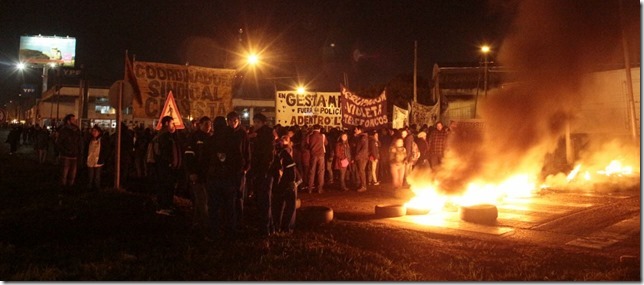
{"x": 168, "y": 164}
{"x": 240, "y": 156}
{"x": 286, "y": 181}
{"x": 361, "y": 156}
{"x": 41, "y": 143}
{"x": 13, "y": 139}
{"x": 69, "y": 144}
{"x": 374, "y": 157}
{"x": 197, "y": 172}
{"x": 262, "y": 155}
{"x": 218, "y": 168}
{"x": 96, "y": 153}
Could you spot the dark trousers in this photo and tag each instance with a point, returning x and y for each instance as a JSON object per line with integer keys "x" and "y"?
{"x": 316, "y": 171}
{"x": 166, "y": 183}
{"x": 238, "y": 184}
{"x": 94, "y": 174}
{"x": 221, "y": 205}
{"x": 362, "y": 172}
{"x": 284, "y": 200}
{"x": 264, "y": 193}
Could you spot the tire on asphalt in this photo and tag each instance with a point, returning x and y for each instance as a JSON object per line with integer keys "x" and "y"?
{"x": 479, "y": 214}
{"x": 417, "y": 211}
{"x": 314, "y": 215}
{"x": 390, "y": 211}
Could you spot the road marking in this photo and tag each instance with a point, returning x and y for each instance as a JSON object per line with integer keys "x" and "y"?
{"x": 610, "y": 235}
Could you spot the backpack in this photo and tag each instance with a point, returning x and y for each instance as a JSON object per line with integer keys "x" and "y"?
{"x": 415, "y": 152}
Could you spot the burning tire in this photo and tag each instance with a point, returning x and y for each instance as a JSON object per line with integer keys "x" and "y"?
{"x": 417, "y": 211}
{"x": 390, "y": 211}
{"x": 315, "y": 215}
{"x": 480, "y": 214}
{"x": 298, "y": 203}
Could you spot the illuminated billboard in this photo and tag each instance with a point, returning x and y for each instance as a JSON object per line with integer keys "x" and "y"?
{"x": 45, "y": 50}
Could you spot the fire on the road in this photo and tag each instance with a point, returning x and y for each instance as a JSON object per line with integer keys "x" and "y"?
{"x": 428, "y": 194}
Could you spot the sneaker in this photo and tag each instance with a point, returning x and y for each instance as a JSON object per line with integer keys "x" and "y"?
{"x": 376, "y": 183}
{"x": 362, "y": 189}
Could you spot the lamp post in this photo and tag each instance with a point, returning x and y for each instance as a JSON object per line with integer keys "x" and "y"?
{"x": 485, "y": 50}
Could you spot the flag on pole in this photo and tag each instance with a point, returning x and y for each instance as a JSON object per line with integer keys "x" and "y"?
{"x": 130, "y": 78}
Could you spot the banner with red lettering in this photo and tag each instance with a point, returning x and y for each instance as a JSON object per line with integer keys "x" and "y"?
{"x": 198, "y": 91}
{"x": 370, "y": 113}
{"x": 308, "y": 108}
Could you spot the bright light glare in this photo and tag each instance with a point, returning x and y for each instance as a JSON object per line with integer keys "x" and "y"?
{"x": 52, "y": 64}
{"x": 253, "y": 59}
{"x": 485, "y": 49}
{"x": 20, "y": 66}
{"x": 300, "y": 90}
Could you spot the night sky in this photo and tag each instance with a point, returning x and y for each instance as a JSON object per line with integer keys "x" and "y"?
{"x": 369, "y": 40}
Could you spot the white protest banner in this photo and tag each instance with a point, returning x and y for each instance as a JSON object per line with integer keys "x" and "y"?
{"x": 198, "y": 91}
{"x": 370, "y": 113}
{"x": 399, "y": 118}
{"x": 423, "y": 114}
{"x": 308, "y": 108}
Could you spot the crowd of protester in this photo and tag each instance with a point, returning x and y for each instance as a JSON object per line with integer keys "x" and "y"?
{"x": 220, "y": 164}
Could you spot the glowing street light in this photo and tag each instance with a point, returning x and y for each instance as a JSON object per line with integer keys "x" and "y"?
{"x": 301, "y": 90}
{"x": 485, "y": 50}
{"x": 252, "y": 59}
{"x": 20, "y": 66}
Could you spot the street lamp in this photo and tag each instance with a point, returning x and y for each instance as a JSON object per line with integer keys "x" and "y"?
{"x": 301, "y": 90}
{"x": 485, "y": 50}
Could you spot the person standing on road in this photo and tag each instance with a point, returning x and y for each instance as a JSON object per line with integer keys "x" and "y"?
{"x": 316, "y": 142}
{"x": 397, "y": 161}
{"x": 13, "y": 139}
{"x": 168, "y": 164}
{"x": 437, "y": 140}
{"x": 221, "y": 193}
{"x": 97, "y": 152}
{"x": 287, "y": 180}
{"x": 262, "y": 155}
{"x": 342, "y": 159}
{"x": 374, "y": 157}
{"x": 361, "y": 156}
{"x": 196, "y": 172}
{"x": 41, "y": 143}
{"x": 69, "y": 144}
{"x": 240, "y": 157}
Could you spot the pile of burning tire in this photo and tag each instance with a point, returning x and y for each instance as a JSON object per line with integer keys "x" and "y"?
{"x": 479, "y": 214}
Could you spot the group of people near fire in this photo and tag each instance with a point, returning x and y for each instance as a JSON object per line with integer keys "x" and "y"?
{"x": 223, "y": 164}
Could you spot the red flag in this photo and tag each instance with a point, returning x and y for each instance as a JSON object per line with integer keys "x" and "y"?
{"x": 130, "y": 78}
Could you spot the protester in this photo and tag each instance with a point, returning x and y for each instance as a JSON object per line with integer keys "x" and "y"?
{"x": 316, "y": 143}
{"x": 397, "y": 159}
{"x": 239, "y": 156}
{"x": 437, "y": 140}
{"x": 13, "y": 139}
{"x": 168, "y": 154}
{"x": 261, "y": 157}
{"x": 41, "y": 143}
{"x": 285, "y": 194}
{"x": 97, "y": 152}
{"x": 361, "y": 156}
{"x": 69, "y": 144}
{"x": 342, "y": 159}
{"x": 374, "y": 157}
{"x": 193, "y": 155}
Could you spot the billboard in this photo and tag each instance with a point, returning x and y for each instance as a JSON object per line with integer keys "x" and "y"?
{"x": 45, "y": 50}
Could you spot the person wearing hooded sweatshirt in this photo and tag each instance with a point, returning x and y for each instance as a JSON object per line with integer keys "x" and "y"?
{"x": 168, "y": 164}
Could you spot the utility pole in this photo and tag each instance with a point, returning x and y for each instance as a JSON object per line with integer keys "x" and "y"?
{"x": 627, "y": 67}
